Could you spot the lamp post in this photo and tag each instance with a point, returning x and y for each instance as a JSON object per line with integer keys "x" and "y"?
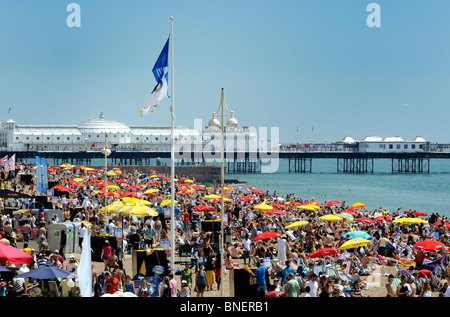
{"x": 214, "y": 123}
{"x": 106, "y": 152}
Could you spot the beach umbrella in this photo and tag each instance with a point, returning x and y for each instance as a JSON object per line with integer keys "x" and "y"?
{"x": 358, "y": 204}
{"x": 309, "y": 207}
{"x": 168, "y": 202}
{"x": 417, "y": 213}
{"x": 381, "y": 218}
{"x": 246, "y": 198}
{"x": 366, "y": 220}
{"x": 345, "y": 215}
{"x": 130, "y": 194}
{"x": 135, "y": 201}
{"x": 137, "y": 210}
{"x": 272, "y": 212}
{"x": 63, "y": 188}
{"x": 440, "y": 223}
{"x": 354, "y": 243}
{"x": 429, "y": 245}
{"x": 12, "y": 255}
{"x": 279, "y": 206}
{"x": 250, "y": 188}
{"x": 323, "y": 252}
{"x": 409, "y": 221}
{"x": 331, "y": 203}
{"x": 4, "y": 269}
{"x": 330, "y": 218}
{"x": 296, "y": 224}
{"x": 424, "y": 273}
{"x": 46, "y": 272}
{"x": 262, "y": 207}
{"x": 266, "y": 235}
{"x": 112, "y": 186}
{"x": 357, "y": 234}
{"x": 258, "y": 192}
{"x": 212, "y": 196}
{"x": 21, "y": 211}
{"x": 121, "y": 181}
{"x": 224, "y": 199}
{"x": 203, "y": 208}
{"x": 350, "y": 212}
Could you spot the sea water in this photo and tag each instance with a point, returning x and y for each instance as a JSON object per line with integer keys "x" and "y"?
{"x": 428, "y": 192}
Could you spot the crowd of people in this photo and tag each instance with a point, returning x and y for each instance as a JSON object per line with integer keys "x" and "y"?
{"x": 284, "y": 264}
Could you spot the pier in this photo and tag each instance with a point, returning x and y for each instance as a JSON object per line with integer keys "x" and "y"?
{"x": 349, "y": 159}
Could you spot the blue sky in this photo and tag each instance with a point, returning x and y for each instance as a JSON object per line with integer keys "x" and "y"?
{"x": 286, "y": 64}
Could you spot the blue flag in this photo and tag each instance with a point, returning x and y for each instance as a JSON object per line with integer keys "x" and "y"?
{"x": 38, "y": 175}
{"x": 44, "y": 174}
{"x": 160, "y": 71}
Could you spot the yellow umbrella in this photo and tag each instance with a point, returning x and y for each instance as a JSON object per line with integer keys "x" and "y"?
{"x": 296, "y": 224}
{"x": 113, "y": 187}
{"x": 189, "y": 181}
{"x": 212, "y": 196}
{"x": 358, "y": 204}
{"x": 151, "y": 190}
{"x": 134, "y": 201}
{"x": 78, "y": 179}
{"x": 410, "y": 221}
{"x": 137, "y": 210}
{"x": 112, "y": 207}
{"x": 262, "y": 207}
{"x": 21, "y": 211}
{"x": 330, "y": 218}
{"x": 167, "y": 202}
{"x": 310, "y": 207}
{"x": 354, "y": 243}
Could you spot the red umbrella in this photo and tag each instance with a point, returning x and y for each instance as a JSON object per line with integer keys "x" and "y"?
{"x": 381, "y": 218}
{"x": 246, "y": 198}
{"x": 429, "y": 245}
{"x": 350, "y": 212}
{"x": 440, "y": 223}
{"x": 258, "y": 192}
{"x": 266, "y": 235}
{"x": 154, "y": 183}
{"x": 366, "y": 220}
{"x": 12, "y": 255}
{"x": 62, "y": 188}
{"x": 203, "y": 208}
{"x": 323, "y": 252}
{"x": 424, "y": 273}
{"x": 331, "y": 203}
{"x": 417, "y": 213}
{"x": 279, "y": 206}
{"x": 272, "y": 212}
{"x": 130, "y": 194}
{"x": 121, "y": 181}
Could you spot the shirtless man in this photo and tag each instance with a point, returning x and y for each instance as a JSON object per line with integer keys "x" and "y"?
{"x": 390, "y": 287}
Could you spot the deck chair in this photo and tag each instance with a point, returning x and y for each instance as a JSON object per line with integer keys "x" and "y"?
{"x": 362, "y": 271}
{"x": 348, "y": 268}
{"x": 343, "y": 277}
{"x": 331, "y": 271}
{"x": 395, "y": 283}
{"x": 317, "y": 269}
{"x": 53, "y": 288}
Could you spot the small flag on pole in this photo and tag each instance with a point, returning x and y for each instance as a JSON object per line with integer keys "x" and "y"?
{"x": 160, "y": 71}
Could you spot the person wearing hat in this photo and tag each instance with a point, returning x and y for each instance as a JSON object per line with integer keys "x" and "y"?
{"x": 185, "y": 290}
{"x": 72, "y": 265}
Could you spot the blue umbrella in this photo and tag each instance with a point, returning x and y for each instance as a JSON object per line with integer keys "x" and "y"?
{"x": 4, "y": 269}
{"x": 357, "y": 234}
{"x": 47, "y": 272}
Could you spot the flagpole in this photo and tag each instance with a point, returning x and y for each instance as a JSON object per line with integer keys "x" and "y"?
{"x": 172, "y": 156}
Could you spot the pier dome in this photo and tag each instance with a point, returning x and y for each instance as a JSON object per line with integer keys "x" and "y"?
{"x": 103, "y": 125}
